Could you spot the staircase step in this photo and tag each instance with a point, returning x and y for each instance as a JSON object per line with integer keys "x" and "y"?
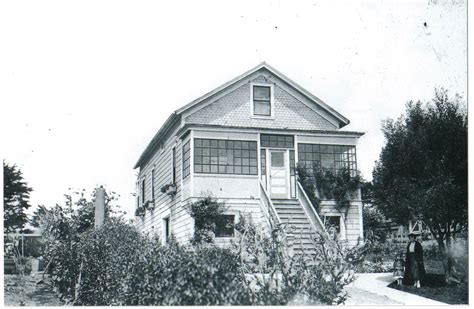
{"x": 293, "y": 216}
{"x": 285, "y": 201}
{"x": 291, "y": 213}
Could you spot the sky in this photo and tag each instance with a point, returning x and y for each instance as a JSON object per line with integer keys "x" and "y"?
{"x": 85, "y": 85}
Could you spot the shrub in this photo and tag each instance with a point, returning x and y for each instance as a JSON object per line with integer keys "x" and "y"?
{"x": 206, "y": 212}
{"x": 175, "y": 275}
{"x": 318, "y": 275}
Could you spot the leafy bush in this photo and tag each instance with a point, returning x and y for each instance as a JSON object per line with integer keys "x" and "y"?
{"x": 175, "y": 275}
{"x": 117, "y": 265}
{"x": 205, "y": 212}
{"x": 380, "y": 256}
{"x": 374, "y": 267}
{"x": 280, "y": 277}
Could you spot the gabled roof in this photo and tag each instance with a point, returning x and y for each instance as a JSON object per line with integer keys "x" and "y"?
{"x": 176, "y": 115}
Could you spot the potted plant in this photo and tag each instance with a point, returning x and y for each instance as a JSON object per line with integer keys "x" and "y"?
{"x": 150, "y": 205}
{"x": 140, "y": 211}
{"x": 169, "y": 189}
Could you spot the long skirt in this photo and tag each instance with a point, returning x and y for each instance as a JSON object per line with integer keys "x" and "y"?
{"x": 414, "y": 272}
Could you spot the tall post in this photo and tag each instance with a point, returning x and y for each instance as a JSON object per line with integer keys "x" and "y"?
{"x": 99, "y": 206}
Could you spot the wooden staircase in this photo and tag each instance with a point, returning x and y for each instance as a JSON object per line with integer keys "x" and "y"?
{"x": 291, "y": 213}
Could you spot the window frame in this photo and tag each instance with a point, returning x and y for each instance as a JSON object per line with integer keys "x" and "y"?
{"x": 349, "y": 154}
{"x": 252, "y": 101}
{"x": 186, "y": 157}
{"x": 143, "y": 184}
{"x": 153, "y": 184}
{"x": 342, "y": 228}
{"x": 173, "y": 165}
{"x": 207, "y": 157}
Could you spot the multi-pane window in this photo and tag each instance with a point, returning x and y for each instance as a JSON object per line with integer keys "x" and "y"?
{"x": 262, "y": 101}
{"x": 281, "y": 141}
{"x": 225, "y": 226}
{"x": 332, "y": 157}
{"x": 186, "y": 159}
{"x": 225, "y": 156}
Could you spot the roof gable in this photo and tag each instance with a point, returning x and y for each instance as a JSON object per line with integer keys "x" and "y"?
{"x": 248, "y": 76}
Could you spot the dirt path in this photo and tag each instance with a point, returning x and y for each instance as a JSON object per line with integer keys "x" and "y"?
{"x": 28, "y": 294}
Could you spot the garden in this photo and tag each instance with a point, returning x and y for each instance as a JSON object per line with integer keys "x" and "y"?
{"x": 115, "y": 264}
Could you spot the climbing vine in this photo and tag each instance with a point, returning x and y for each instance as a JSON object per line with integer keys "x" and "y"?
{"x": 328, "y": 184}
{"x": 206, "y": 212}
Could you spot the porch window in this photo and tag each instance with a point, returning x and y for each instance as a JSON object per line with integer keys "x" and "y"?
{"x": 277, "y": 141}
{"x": 186, "y": 159}
{"x": 262, "y": 101}
{"x": 214, "y": 156}
{"x": 225, "y": 226}
{"x": 332, "y": 157}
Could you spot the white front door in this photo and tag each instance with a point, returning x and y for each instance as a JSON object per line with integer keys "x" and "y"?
{"x": 278, "y": 174}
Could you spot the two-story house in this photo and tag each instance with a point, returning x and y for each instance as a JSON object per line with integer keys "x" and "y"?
{"x": 241, "y": 143}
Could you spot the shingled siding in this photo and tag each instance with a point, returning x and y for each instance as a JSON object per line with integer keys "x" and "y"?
{"x": 234, "y": 109}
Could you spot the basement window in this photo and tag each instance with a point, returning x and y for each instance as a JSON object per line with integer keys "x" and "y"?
{"x": 333, "y": 222}
{"x": 225, "y": 226}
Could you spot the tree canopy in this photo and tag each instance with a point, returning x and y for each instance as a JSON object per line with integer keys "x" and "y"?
{"x": 422, "y": 169}
{"x": 16, "y": 199}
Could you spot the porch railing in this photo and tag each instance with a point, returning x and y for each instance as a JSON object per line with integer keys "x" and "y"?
{"x": 308, "y": 208}
{"x": 269, "y": 208}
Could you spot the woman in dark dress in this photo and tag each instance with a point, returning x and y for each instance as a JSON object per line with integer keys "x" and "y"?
{"x": 414, "y": 267}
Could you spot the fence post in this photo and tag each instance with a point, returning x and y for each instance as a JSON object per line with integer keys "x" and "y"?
{"x": 99, "y": 206}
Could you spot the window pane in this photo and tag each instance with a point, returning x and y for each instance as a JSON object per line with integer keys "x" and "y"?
{"x": 277, "y": 159}
{"x": 261, "y": 108}
{"x": 261, "y": 93}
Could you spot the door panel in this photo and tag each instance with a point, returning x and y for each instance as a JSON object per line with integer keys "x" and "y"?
{"x": 278, "y": 174}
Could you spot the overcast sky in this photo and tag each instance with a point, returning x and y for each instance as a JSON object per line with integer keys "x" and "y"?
{"x": 86, "y": 84}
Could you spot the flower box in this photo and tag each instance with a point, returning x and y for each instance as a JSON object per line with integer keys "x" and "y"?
{"x": 169, "y": 189}
{"x": 140, "y": 212}
{"x": 149, "y": 205}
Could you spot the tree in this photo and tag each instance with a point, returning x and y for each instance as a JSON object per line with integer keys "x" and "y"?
{"x": 422, "y": 170}
{"x": 373, "y": 218}
{"x": 16, "y": 199}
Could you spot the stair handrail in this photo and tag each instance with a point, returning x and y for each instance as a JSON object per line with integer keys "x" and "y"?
{"x": 274, "y": 218}
{"x": 309, "y": 208}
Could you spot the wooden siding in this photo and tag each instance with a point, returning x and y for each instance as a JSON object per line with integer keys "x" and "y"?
{"x": 352, "y": 223}
{"x": 164, "y": 204}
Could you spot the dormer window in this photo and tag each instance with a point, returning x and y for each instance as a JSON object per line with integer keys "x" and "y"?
{"x": 262, "y": 100}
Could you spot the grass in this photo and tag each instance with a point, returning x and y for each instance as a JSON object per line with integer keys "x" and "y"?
{"x": 435, "y": 287}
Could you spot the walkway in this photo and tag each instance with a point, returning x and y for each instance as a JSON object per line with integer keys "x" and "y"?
{"x": 371, "y": 289}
